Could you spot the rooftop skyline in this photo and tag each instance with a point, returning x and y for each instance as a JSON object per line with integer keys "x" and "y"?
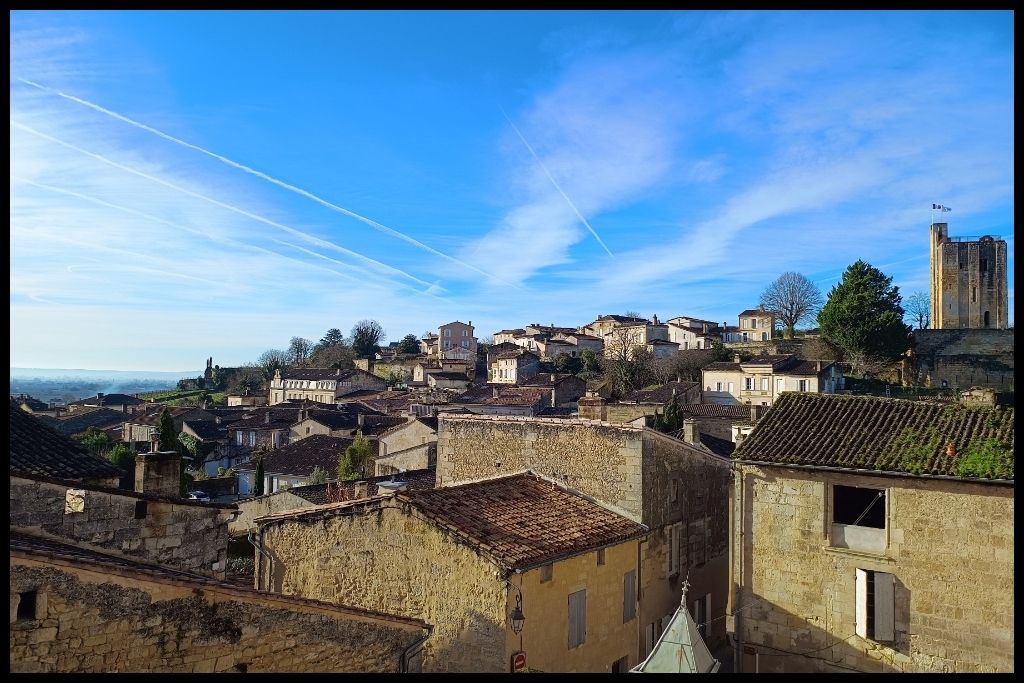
{"x": 192, "y": 183}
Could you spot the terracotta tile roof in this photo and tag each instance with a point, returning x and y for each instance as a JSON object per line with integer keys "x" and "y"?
{"x": 300, "y": 457}
{"x": 756, "y": 311}
{"x": 33, "y": 403}
{"x": 324, "y": 373}
{"x": 208, "y": 430}
{"x": 108, "y": 400}
{"x": 450, "y": 376}
{"x": 722, "y": 366}
{"x": 523, "y": 520}
{"x": 662, "y": 394}
{"x": 877, "y": 434}
{"x": 507, "y": 395}
{"x": 338, "y": 491}
{"x": 544, "y": 380}
{"x": 38, "y": 450}
{"x": 807, "y": 367}
{"x": 505, "y": 355}
{"x": 46, "y": 549}
{"x": 375, "y": 425}
{"x": 151, "y": 416}
{"x": 83, "y": 418}
{"x": 714, "y": 410}
{"x": 777, "y": 361}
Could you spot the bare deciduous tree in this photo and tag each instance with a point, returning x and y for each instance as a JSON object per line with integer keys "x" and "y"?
{"x": 300, "y": 348}
{"x": 792, "y": 297}
{"x": 919, "y": 310}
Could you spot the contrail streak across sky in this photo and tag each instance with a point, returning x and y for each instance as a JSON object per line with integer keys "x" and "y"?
{"x": 292, "y": 231}
{"x": 557, "y": 187}
{"x": 280, "y": 183}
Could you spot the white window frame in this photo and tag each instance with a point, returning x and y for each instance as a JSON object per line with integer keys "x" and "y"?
{"x": 732, "y": 388}
{"x": 748, "y": 383}
{"x": 805, "y": 385}
{"x": 718, "y": 387}
{"x": 764, "y": 384}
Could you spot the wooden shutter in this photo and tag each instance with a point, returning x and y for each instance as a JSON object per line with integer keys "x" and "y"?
{"x": 885, "y": 606}
{"x": 629, "y": 596}
{"x": 577, "y": 618}
{"x": 862, "y": 603}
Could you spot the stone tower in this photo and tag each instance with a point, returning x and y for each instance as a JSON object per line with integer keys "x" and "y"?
{"x": 968, "y": 285}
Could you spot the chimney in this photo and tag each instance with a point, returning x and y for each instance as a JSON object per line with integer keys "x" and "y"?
{"x": 691, "y": 432}
{"x": 361, "y": 490}
{"x": 266, "y": 418}
{"x": 755, "y": 412}
{"x": 99, "y": 395}
{"x": 360, "y": 420}
{"x": 216, "y": 419}
{"x": 951, "y": 449}
{"x": 158, "y": 473}
{"x": 494, "y": 392}
{"x": 470, "y": 323}
{"x": 736, "y": 358}
{"x": 817, "y": 365}
{"x": 124, "y": 408}
{"x": 592, "y": 407}
{"x": 654, "y": 318}
{"x": 552, "y": 378}
{"x": 553, "y": 404}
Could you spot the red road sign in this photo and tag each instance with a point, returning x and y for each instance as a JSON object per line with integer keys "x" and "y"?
{"x": 518, "y": 661}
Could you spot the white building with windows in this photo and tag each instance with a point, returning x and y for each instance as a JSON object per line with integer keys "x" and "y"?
{"x": 762, "y": 379}
{"x": 453, "y": 341}
{"x": 875, "y": 535}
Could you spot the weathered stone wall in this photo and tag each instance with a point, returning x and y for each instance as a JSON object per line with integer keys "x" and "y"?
{"x": 183, "y": 535}
{"x": 964, "y": 358}
{"x": 383, "y": 558}
{"x": 629, "y": 467}
{"x": 599, "y": 459}
{"x": 949, "y": 545}
{"x": 95, "y": 621}
{"x": 699, "y": 514}
{"x": 251, "y": 508}
{"x": 414, "y": 458}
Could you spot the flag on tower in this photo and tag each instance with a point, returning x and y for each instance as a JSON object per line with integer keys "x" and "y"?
{"x": 940, "y": 207}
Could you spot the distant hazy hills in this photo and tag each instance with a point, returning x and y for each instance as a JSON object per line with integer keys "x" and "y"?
{"x": 71, "y": 384}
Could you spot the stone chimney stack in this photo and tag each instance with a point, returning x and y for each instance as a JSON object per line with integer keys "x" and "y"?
{"x": 593, "y": 407}
{"x": 266, "y": 418}
{"x": 99, "y": 395}
{"x": 691, "y": 432}
{"x": 736, "y": 358}
{"x": 494, "y": 392}
{"x": 361, "y": 490}
{"x": 755, "y": 412}
{"x": 158, "y": 473}
{"x": 817, "y": 365}
{"x": 360, "y": 420}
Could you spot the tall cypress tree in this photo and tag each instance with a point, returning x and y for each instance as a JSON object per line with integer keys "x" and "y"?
{"x": 864, "y": 316}
{"x": 168, "y": 435}
{"x": 258, "y": 484}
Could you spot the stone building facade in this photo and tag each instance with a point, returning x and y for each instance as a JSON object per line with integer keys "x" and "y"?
{"x": 73, "y": 611}
{"x": 322, "y": 385}
{"x": 969, "y": 281}
{"x": 679, "y": 491}
{"x": 860, "y": 541}
{"x": 464, "y": 570}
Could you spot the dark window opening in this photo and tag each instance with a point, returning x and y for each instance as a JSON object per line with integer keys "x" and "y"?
{"x": 986, "y": 318}
{"x": 984, "y": 265}
{"x": 600, "y": 556}
{"x": 27, "y": 606}
{"x": 620, "y": 666}
{"x": 858, "y": 506}
{"x": 140, "y": 509}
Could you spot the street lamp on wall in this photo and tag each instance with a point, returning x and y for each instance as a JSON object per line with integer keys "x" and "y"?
{"x": 516, "y": 616}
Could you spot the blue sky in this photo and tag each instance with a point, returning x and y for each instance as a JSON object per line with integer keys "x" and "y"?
{"x": 187, "y": 184}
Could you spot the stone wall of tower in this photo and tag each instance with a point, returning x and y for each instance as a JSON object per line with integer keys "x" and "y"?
{"x": 969, "y": 282}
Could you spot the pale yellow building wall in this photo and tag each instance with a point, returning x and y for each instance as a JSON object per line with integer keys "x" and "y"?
{"x": 412, "y": 433}
{"x": 949, "y": 545}
{"x": 545, "y": 636}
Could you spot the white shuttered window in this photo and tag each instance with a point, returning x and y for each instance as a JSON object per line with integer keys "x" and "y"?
{"x": 876, "y": 605}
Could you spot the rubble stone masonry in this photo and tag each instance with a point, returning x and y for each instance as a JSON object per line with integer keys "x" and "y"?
{"x": 106, "y": 621}
{"x": 388, "y": 560}
{"x": 183, "y": 535}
